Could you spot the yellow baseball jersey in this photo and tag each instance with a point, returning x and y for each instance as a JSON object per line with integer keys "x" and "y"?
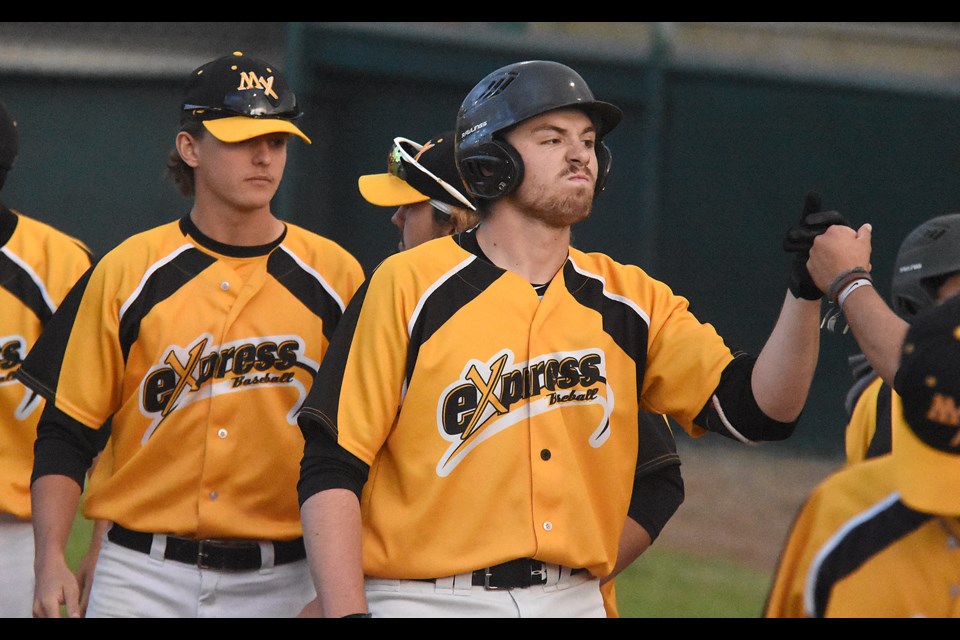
{"x": 857, "y": 551}
{"x": 200, "y": 354}
{"x": 38, "y": 266}
{"x": 868, "y": 431}
{"x": 498, "y": 426}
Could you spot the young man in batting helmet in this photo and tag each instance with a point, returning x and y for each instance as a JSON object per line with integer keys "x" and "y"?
{"x": 926, "y": 272}
{"x": 430, "y": 197}
{"x": 197, "y": 340}
{"x": 488, "y": 469}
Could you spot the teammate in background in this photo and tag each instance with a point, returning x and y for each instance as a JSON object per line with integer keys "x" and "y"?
{"x": 423, "y": 182}
{"x": 488, "y": 470}
{"x": 878, "y": 539}
{"x": 200, "y": 337}
{"x": 926, "y": 272}
{"x": 38, "y": 265}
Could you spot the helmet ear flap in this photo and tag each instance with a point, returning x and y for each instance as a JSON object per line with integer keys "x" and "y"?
{"x": 604, "y": 160}
{"x": 493, "y": 170}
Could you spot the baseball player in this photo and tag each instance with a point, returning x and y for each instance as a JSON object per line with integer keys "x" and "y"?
{"x": 434, "y": 209}
{"x": 38, "y": 265}
{"x": 488, "y": 471}
{"x": 423, "y": 183}
{"x": 199, "y": 339}
{"x": 926, "y": 272}
{"x": 878, "y": 539}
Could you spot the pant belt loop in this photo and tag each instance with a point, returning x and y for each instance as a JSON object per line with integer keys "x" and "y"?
{"x": 463, "y": 583}
{"x": 564, "y": 582}
{"x": 444, "y": 585}
{"x": 267, "y": 557}
{"x": 158, "y": 547}
{"x": 553, "y": 577}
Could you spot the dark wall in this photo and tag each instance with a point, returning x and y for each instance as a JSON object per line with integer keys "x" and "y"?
{"x": 738, "y": 157}
{"x": 92, "y": 154}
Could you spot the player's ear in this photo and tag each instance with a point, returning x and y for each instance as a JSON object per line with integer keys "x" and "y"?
{"x": 187, "y": 148}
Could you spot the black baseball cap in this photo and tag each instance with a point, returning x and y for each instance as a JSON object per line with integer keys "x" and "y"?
{"x": 9, "y": 139}
{"x": 926, "y": 431}
{"x": 417, "y": 173}
{"x": 238, "y": 97}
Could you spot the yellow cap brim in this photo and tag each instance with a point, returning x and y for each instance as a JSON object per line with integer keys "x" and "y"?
{"x": 386, "y": 190}
{"x": 240, "y": 128}
{"x": 926, "y": 477}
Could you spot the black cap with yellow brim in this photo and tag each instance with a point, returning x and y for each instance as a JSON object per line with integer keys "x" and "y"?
{"x": 417, "y": 173}
{"x": 925, "y": 440}
{"x": 238, "y": 97}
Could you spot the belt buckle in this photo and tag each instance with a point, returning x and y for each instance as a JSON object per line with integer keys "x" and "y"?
{"x": 202, "y": 555}
{"x": 486, "y": 581}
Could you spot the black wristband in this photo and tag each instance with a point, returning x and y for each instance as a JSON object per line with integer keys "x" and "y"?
{"x": 358, "y": 615}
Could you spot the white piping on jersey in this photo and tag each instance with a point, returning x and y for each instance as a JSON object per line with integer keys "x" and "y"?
{"x": 831, "y": 544}
{"x": 33, "y": 276}
{"x": 627, "y": 301}
{"x": 323, "y": 283}
{"x": 723, "y": 418}
{"x": 149, "y": 272}
{"x": 423, "y": 299}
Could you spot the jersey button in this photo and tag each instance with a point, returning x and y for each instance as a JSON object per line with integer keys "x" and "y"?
{"x": 545, "y": 454}
{"x": 225, "y": 285}
{"x": 214, "y": 495}
{"x": 222, "y": 433}
{"x": 547, "y": 526}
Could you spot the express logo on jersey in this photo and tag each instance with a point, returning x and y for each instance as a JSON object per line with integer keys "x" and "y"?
{"x": 13, "y": 349}
{"x": 478, "y": 405}
{"x": 203, "y": 369}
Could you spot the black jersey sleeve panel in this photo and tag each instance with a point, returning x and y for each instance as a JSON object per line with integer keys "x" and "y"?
{"x": 64, "y": 446}
{"x": 161, "y": 284}
{"x": 322, "y": 401}
{"x": 732, "y": 410}
{"x": 445, "y": 301}
{"x": 626, "y": 327}
{"x": 656, "y": 497}
{"x": 18, "y": 282}
{"x": 881, "y": 442}
{"x": 859, "y": 544}
{"x": 40, "y": 370}
{"x": 305, "y": 288}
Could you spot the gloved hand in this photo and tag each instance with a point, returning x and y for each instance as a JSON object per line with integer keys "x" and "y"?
{"x": 800, "y": 238}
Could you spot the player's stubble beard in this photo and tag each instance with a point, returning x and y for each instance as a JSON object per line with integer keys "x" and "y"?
{"x": 555, "y": 209}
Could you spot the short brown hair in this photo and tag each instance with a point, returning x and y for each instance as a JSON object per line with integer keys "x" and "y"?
{"x": 178, "y": 171}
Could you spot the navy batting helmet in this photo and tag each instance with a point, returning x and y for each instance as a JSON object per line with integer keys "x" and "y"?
{"x": 488, "y": 165}
{"x": 928, "y": 254}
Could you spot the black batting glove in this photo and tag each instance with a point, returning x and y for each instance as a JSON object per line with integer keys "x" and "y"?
{"x": 800, "y": 238}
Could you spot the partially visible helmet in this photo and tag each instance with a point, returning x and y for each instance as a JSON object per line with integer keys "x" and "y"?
{"x": 928, "y": 253}
{"x": 489, "y": 166}
{"x": 9, "y": 143}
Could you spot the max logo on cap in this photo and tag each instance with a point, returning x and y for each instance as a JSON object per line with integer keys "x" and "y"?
{"x": 250, "y": 80}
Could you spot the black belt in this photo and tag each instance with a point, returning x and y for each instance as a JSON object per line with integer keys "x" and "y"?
{"x": 230, "y": 555}
{"x": 514, "y": 574}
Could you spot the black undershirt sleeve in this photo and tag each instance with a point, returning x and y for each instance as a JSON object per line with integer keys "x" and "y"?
{"x": 656, "y": 497}
{"x": 64, "y": 446}
{"x": 327, "y": 465}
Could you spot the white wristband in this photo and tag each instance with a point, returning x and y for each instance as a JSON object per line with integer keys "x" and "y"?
{"x": 856, "y": 284}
